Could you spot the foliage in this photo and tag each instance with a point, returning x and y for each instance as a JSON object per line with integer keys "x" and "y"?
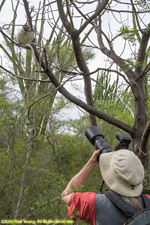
{"x": 53, "y": 162}
{"x": 109, "y": 100}
{"x": 128, "y": 34}
{"x": 58, "y": 149}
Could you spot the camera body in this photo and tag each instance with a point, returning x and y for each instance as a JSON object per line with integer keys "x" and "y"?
{"x": 123, "y": 141}
{"x": 97, "y": 139}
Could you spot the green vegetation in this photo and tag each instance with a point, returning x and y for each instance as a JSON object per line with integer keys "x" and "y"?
{"x": 41, "y": 150}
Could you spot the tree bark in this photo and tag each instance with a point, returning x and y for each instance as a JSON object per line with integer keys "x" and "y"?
{"x": 74, "y": 34}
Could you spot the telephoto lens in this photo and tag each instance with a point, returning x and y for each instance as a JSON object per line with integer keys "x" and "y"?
{"x": 97, "y": 139}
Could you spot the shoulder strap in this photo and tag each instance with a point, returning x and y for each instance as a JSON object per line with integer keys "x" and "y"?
{"x": 118, "y": 201}
{"x": 146, "y": 201}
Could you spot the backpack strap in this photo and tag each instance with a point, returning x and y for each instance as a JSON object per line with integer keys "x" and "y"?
{"x": 118, "y": 201}
{"x": 146, "y": 201}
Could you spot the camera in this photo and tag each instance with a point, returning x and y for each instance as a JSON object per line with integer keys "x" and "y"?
{"x": 97, "y": 139}
{"x": 123, "y": 141}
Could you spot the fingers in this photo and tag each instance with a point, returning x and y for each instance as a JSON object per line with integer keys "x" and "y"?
{"x": 96, "y": 153}
{"x": 95, "y": 156}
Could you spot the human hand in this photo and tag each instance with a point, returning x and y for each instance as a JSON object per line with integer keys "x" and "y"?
{"x": 93, "y": 160}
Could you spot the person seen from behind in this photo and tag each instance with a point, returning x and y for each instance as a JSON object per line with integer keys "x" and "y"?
{"x": 123, "y": 173}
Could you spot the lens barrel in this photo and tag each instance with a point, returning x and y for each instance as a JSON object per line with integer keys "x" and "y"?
{"x": 97, "y": 139}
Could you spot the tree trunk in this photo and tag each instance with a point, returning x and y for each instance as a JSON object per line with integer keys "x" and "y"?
{"x": 140, "y": 120}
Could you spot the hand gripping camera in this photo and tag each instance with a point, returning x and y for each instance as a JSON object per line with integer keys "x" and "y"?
{"x": 97, "y": 139}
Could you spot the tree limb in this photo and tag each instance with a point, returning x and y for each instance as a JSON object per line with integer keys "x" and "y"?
{"x": 141, "y": 52}
{"x": 146, "y": 69}
{"x": 144, "y": 139}
{"x": 45, "y": 97}
{"x": 111, "y": 54}
{"x": 82, "y": 104}
{"x": 29, "y": 18}
{"x": 12, "y": 41}
{"x": 99, "y": 9}
{"x": 23, "y": 78}
{"x": 136, "y": 16}
{"x": 66, "y": 23}
{"x": 79, "y": 57}
{"x": 95, "y": 71}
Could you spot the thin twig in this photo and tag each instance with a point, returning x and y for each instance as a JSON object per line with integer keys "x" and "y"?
{"x": 46, "y": 96}
{"x": 24, "y": 78}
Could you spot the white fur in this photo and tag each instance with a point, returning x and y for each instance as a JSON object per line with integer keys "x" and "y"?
{"x": 25, "y": 38}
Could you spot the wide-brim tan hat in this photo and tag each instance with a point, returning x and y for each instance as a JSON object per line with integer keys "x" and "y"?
{"x": 123, "y": 172}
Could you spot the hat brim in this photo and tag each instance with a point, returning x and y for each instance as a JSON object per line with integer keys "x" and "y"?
{"x": 111, "y": 179}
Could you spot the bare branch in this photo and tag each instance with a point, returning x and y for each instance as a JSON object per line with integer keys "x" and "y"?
{"x": 8, "y": 37}
{"x": 66, "y": 23}
{"x": 99, "y": 9}
{"x": 136, "y": 16}
{"x": 82, "y": 104}
{"x": 141, "y": 52}
{"x": 2, "y": 3}
{"x": 144, "y": 139}
{"x": 111, "y": 54}
{"x": 70, "y": 17}
{"x": 28, "y": 13}
{"x": 24, "y": 78}
{"x": 79, "y": 58}
{"x": 146, "y": 69}
{"x": 46, "y": 96}
{"x": 95, "y": 71}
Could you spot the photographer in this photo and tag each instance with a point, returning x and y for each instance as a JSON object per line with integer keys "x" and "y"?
{"x": 123, "y": 172}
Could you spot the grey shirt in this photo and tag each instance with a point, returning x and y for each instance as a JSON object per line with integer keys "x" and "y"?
{"x": 107, "y": 213}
